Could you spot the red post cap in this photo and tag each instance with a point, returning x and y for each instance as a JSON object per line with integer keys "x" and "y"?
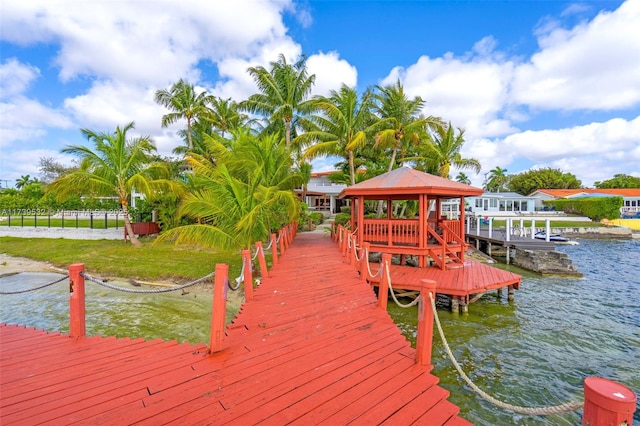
{"x": 607, "y": 402}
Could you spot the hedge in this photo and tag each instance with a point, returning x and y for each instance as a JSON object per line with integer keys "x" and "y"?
{"x": 595, "y": 208}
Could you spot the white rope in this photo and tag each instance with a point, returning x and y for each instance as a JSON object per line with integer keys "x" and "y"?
{"x": 536, "y": 411}
{"x": 393, "y": 294}
{"x": 355, "y": 254}
{"x": 371, "y": 275}
{"x": 270, "y": 244}
{"x": 255, "y": 254}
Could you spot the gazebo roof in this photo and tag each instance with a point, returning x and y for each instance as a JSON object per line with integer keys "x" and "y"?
{"x": 407, "y": 183}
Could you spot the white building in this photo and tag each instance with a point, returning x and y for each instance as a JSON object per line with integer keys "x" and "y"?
{"x": 322, "y": 194}
{"x": 500, "y": 204}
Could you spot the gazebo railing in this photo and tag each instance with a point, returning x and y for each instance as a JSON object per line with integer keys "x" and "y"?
{"x": 403, "y": 231}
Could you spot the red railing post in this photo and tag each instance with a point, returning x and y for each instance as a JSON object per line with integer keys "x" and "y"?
{"x": 383, "y": 289}
{"x": 424, "y": 338}
{"x": 607, "y": 403}
{"x": 310, "y": 225}
{"x": 261, "y": 259}
{"x": 248, "y": 275}
{"x": 287, "y": 234}
{"x": 333, "y": 231}
{"x": 219, "y": 309}
{"x": 77, "y": 326}
{"x": 274, "y": 249}
{"x": 364, "y": 270}
{"x": 354, "y": 251}
{"x": 340, "y": 237}
{"x": 345, "y": 242}
{"x": 282, "y": 238}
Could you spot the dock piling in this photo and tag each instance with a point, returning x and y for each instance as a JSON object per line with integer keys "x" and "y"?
{"x": 424, "y": 338}
{"x": 383, "y": 291}
{"x": 219, "y": 310}
{"x": 274, "y": 249}
{"x": 248, "y": 275}
{"x": 607, "y": 403}
{"x": 261, "y": 259}
{"x": 77, "y": 326}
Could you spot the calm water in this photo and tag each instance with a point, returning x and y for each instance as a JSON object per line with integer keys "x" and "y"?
{"x": 537, "y": 350}
{"x": 532, "y": 352}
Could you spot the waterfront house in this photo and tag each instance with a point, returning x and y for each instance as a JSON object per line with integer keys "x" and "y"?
{"x": 500, "y": 204}
{"x": 630, "y": 197}
{"x": 322, "y": 194}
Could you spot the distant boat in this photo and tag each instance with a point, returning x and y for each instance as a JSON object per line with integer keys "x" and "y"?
{"x": 556, "y": 238}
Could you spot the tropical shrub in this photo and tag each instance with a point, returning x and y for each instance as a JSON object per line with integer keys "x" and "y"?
{"x": 342, "y": 218}
{"x": 595, "y": 208}
{"x": 316, "y": 217}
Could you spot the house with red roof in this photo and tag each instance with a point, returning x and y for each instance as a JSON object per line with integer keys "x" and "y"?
{"x": 630, "y": 197}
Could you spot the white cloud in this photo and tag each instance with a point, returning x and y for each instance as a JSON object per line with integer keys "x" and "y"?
{"x": 26, "y": 120}
{"x": 331, "y": 72}
{"x": 153, "y": 42}
{"x": 470, "y": 93}
{"x": 594, "y": 66}
{"x": 15, "y": 77}
{"x": 108, "y": 104}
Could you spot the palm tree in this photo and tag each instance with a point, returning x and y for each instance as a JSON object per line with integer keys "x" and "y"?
{"x": 400, "y": 120}
{"x": 223, "y": 115}
{"x": 23, "y": 181}
{"x": 185, "y": 103}
{"x": 342, "y": 128}
{"x": 498, "y": 179}
{"x": 283, "y": 92}
{"x": 115, "y": 166}
{"x": 444, "y": 152}
{"x": 243, "y": 198}
{"x": 463, "y": 178}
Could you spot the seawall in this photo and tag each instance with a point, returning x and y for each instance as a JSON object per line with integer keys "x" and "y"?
{"x": 599, "y": 232}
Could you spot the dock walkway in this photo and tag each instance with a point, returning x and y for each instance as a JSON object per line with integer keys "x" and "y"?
{"x": 499, "y": 238}
{"x": 311, "y": 348}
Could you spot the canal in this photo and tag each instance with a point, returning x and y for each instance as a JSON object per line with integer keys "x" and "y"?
{"x": 535, "y": 351}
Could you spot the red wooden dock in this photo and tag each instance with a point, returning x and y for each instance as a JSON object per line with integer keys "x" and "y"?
{"x": 468, "y": 279}
{"x": 311, "y": 348}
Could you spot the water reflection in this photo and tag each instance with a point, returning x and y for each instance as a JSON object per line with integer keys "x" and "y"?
{"x": 170, "y": 316}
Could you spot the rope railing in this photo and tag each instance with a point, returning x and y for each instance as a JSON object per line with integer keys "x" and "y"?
{"x": 35, "y": 288}
{"x": 146, "y": 291}
{"x": 255, "y": 255}
{"x": 535, "y": 411}
{"x": 240, "y": 279}
{"x": 371, "y": 274}
{"x": 393, "y": 294}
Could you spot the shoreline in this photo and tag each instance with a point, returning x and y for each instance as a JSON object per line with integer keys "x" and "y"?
{"x": 13, "y": 265}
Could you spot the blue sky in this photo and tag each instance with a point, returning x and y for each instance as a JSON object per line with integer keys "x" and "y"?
{"x": 533, "y": 83}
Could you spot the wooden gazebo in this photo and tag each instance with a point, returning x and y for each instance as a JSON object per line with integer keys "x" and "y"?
{"x": 429, "y": 236}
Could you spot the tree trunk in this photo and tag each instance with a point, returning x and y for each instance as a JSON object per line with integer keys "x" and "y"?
{"x": 189, "y": 135}
{"x": 128, "y": 227}
{"x": 287, "y": 127}
{"x": 381, "y": 202}
{"x": 352, "y": 170}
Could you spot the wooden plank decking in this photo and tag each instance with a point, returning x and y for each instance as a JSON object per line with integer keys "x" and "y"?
{"x": 470, "y": 278}
{"x": 311, "y": 348}
{"x": 498, "y": 237}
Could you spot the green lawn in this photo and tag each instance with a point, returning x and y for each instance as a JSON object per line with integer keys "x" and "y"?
{"x": 114, "y": 258}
